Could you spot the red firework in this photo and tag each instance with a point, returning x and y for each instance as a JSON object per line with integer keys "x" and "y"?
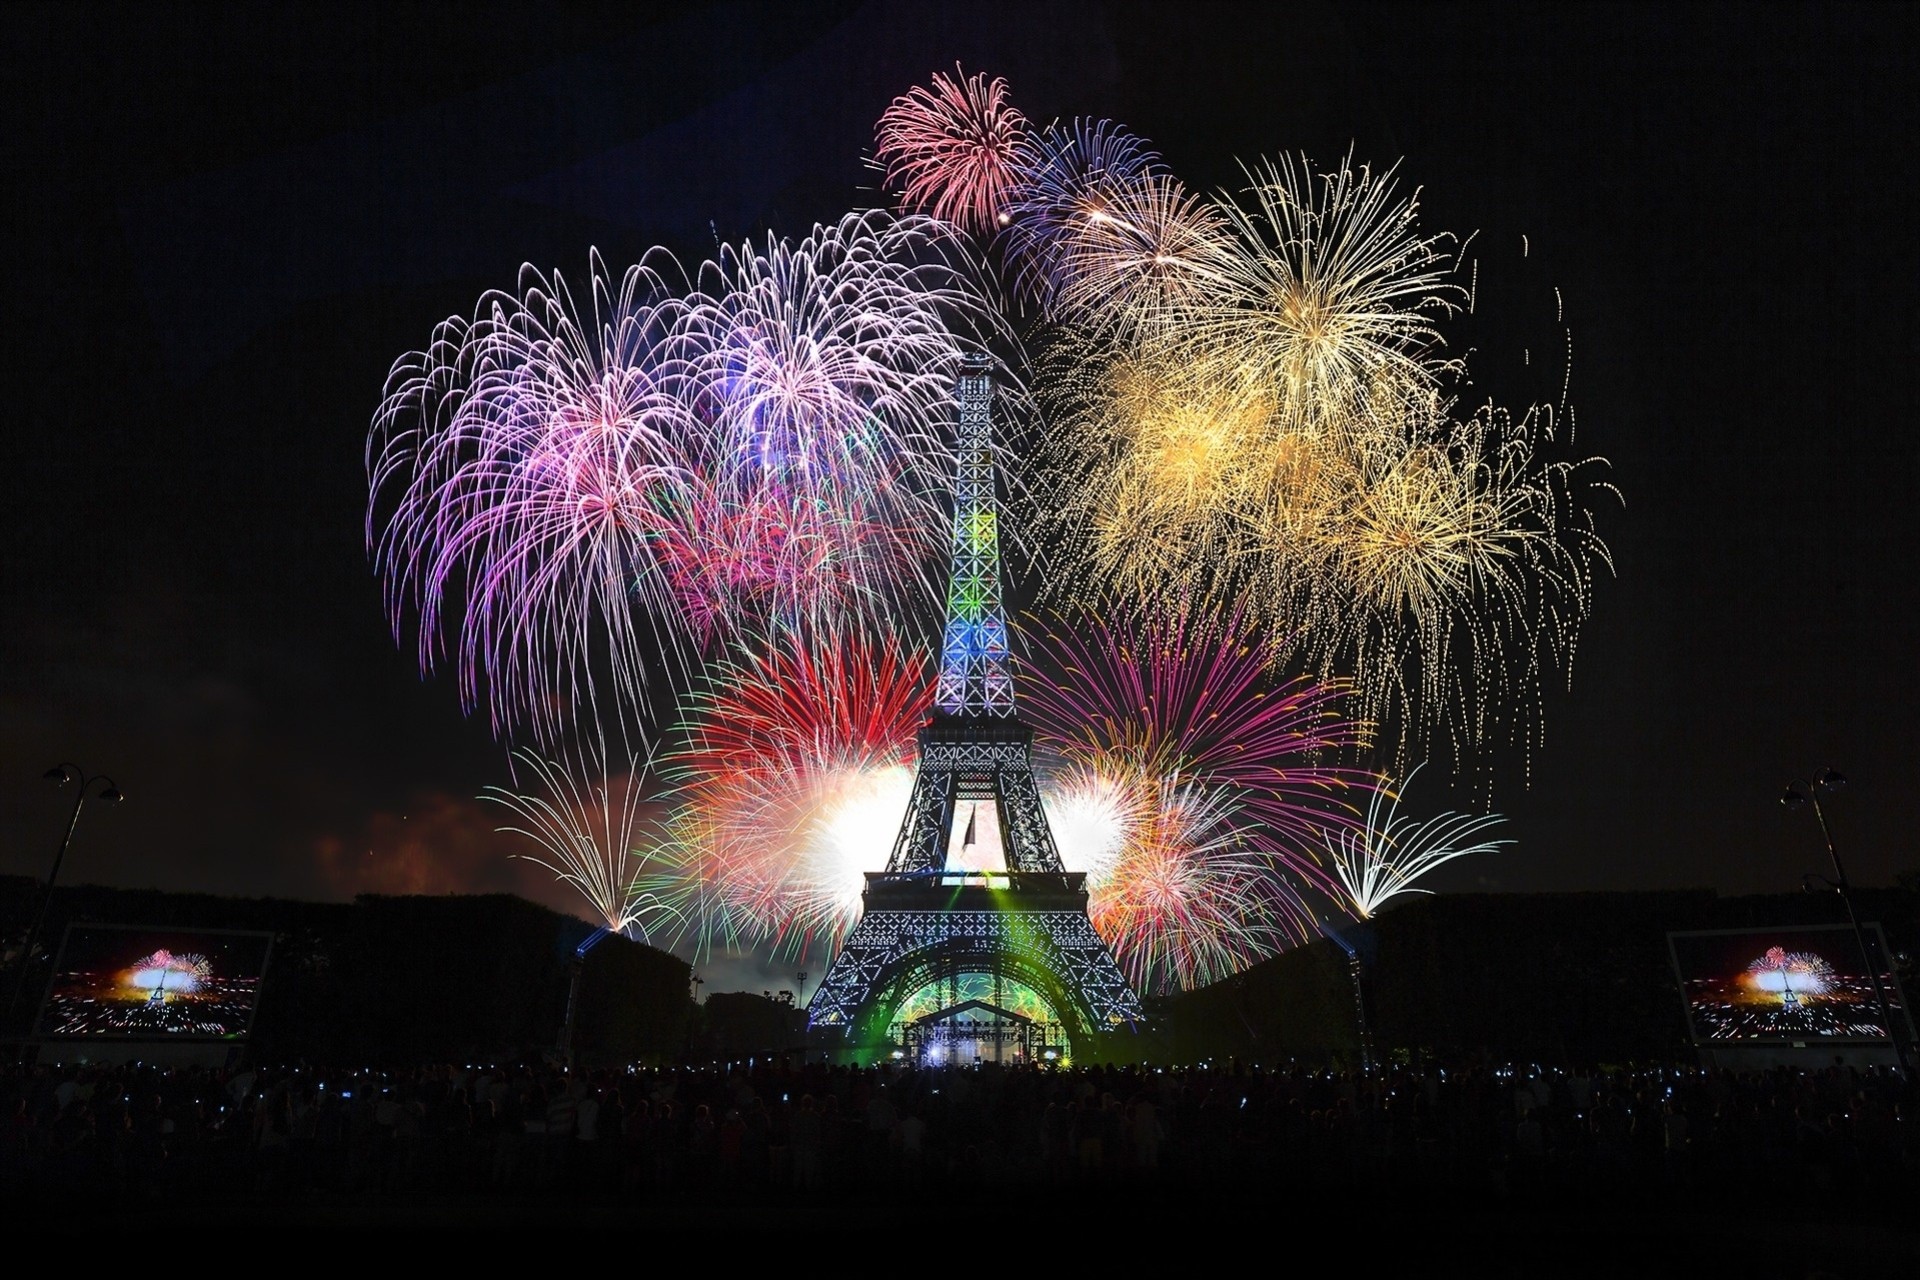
{"x": 773, "y": 748}
{"x": 952, "y": 149}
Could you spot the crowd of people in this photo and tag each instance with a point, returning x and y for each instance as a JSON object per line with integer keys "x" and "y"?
{"x": 778, "y": 1130}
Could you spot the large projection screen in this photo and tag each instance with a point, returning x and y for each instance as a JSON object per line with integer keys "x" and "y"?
{"x": 1792, "y": 985}
{"x": 140, "y": 982}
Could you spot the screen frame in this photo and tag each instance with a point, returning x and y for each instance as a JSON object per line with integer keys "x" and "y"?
{"x": 1870, "y": 931}
{"x": 59, "y": 967}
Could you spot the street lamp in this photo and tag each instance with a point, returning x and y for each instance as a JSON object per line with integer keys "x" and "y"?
{"x": 60, "y": 775}
{"x": 1800, "y": 793}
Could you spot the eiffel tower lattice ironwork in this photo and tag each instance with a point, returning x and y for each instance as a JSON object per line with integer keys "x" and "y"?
{"x": 975, "y": 883}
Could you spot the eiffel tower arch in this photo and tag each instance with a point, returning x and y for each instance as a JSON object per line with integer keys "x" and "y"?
{"x": 975, "y": 885}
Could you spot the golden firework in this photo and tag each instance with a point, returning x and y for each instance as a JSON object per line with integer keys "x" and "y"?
{"x": 1283, "y": 443}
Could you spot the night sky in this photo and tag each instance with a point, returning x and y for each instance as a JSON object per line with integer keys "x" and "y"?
{"x": 225, "y": 223}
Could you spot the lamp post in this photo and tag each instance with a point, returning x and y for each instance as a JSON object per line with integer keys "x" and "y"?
{"x": 799, "y": 992}
{"x": 60, "y": 775}
{"x": 1356, "y": 972}
{"x": 574, "y": 970}
{"x": 1800, "y": 793}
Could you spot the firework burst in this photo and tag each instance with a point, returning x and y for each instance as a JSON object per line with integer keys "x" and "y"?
{"x": 796, "y": 770}
{"x": 1333, "y": 291}
{"x": 589, "y": 836}
{"x": 576, "y": 499}
{"x": 1192, "y": 789}
{"x": 1289, "y": 440}
{"x": 952, "y": 149}
{"x": 1382, "y": 860}
{"x": 1189, "y": 697}
{"x": 1143, "y": 260}
{"x": 1791, "y": 974}
{"x": 521, "y": 462}
{"x": 1460, "y": 565}
{"x": 822, "y": 375}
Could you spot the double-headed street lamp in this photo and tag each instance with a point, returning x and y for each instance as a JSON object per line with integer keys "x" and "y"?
{"x": 90, "y": 786}
{"x": 1798, "y": 794}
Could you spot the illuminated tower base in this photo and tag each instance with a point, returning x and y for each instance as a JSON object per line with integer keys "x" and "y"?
{"x": 974, "y": 886}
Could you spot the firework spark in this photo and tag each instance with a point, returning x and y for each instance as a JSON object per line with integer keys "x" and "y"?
{"x": 1383, "y": 859}
{"x": 1189, "y": 697}
{"x": 1334, "y": 292}
{"x": 1141, "y": 262}
{"x": 952, "y": 148}
{"x": 1193, "y": 898}
{"x": 1067, "y": 177}
{"x": 823, "y": 376}
{"x": 1289, "y": 440}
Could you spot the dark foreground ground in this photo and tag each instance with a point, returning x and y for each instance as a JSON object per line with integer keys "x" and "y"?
{"x": 1495, "y": 1172}
{"x": 1273, "y": 1229}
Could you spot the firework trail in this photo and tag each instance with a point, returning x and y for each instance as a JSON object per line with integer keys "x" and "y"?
{"x": 796, "y": 770}
{"x": 1383, "y": 859}
{"x": 1193, "y": 790}
{"x": 590, "y": 835}
{"x": 952, "y": 149}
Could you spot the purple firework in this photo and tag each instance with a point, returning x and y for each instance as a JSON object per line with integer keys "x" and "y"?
{"x": 1064, "y": 175}
{"x": 822, "y": 381}
{"x": 517, "y": 469}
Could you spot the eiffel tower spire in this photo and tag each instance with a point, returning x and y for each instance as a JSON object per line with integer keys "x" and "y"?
{"x": 974, "y": 676}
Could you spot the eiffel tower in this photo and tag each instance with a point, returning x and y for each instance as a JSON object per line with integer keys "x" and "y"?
{"x": 975, "y": 885}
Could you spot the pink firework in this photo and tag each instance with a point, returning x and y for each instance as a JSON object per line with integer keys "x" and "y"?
{"x": 952, "y": 149}
{"x": 1193, "y": 789}
{"x": 1190, "y": 698}
{"x": 573, "y": 500}
{"x": 1191, "y": 897}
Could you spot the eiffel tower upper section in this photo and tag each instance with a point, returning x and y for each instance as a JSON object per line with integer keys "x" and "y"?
{"x": 975, "y": 678}
{"x": 975, "y": 752}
